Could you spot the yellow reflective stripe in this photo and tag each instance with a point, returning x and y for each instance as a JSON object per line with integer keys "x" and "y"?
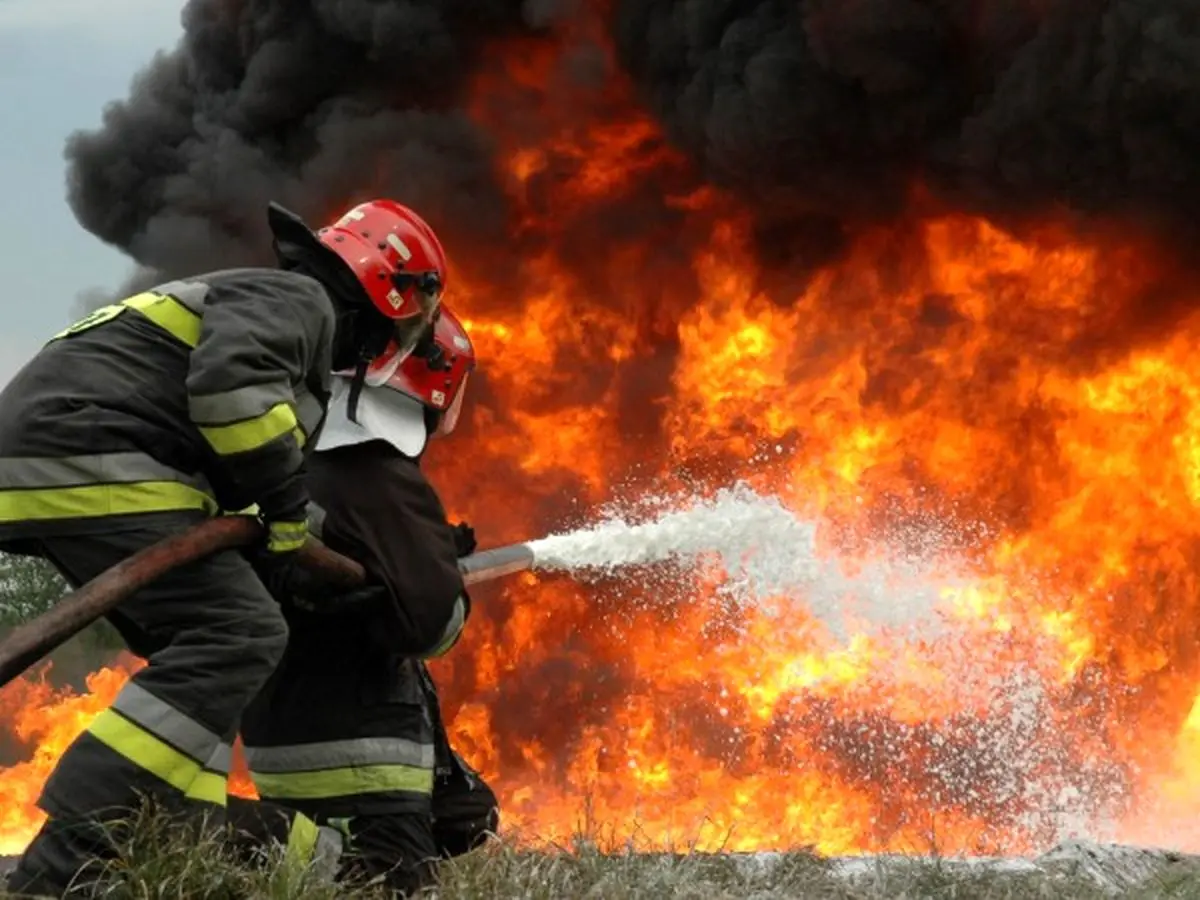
{"x": 284, "y": 537}
{"x": 157, "y": 757}
{"x": 91, "y": 320}
{"x": 181, "y": 731}
{"x": 300, "y": 436}
{"x": 251, "y": 434}
{"x": 301, "y": 841}
{"x": 251, "y": 510}
{"x": 90, "y": 500}
{"x": 342, "y": 782}
{"x": 280, "y": 545}
{"x": 168, "y": 314}
{"x": 163, "y": 310}
{"x": 208, "y": 787}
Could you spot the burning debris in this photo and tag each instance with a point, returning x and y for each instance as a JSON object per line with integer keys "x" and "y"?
{"x": 886, "y": 262}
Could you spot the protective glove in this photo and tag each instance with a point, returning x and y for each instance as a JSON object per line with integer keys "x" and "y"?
{"x": 279, "y": 573}
{"x": 283, "y": 512}
{"x": 275, "y": 559}
{"x": 464, "y": 539}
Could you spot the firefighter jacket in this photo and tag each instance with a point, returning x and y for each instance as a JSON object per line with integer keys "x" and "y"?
{"x": 344, "y": 726}
{"x": 198, "y": 395}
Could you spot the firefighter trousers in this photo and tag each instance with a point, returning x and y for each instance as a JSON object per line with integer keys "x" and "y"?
{"x": 211, "y": 635}
{"x": 398, "y": 848}
{"x": 394, "y": 850}
{"x": 356, "y": 742}
{"x": 403, "y": 848}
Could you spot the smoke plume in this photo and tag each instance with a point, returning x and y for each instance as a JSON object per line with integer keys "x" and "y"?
{"x": 299, "y": 102}
{"x": 818, "y": 114}
{"x": 836, "y": 108}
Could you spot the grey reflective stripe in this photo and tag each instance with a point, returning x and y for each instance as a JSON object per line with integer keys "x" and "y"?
{"x": 221, "y": 760}
{"x": 165, "y": 721}
{"x": 316, "y": 520}
{"x": 189, "y": 293}
{"x": 376, "y": 751}
{"x": 328, "y": 851}
{"x": 25, "y": 472}
{"x": 309, "y": 411}
{"x": 248, "y": 402}
{"x": 453, "y": 628}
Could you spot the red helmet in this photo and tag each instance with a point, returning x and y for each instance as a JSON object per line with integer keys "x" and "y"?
{"x": 436, "y": 372}
{"x": 398, "y": 260}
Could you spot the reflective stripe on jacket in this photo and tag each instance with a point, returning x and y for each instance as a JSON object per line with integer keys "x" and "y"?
{"x": 197, "y": 395}
{"x": 345, "y": 725}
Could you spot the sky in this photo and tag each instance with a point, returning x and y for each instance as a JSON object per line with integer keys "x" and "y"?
{"x": 61, "y": 61}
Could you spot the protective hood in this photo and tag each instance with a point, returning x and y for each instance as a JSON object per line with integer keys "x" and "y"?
{"x": 383, "y": 415}
{"x": 294, "y": 241}
{"x": 297, "y": 246}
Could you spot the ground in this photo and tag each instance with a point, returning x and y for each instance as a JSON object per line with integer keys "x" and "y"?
{"x": 157, "y": 869}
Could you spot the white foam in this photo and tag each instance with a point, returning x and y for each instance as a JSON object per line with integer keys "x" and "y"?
{"x": 754, "y": 536}
{"x": 768, "y": 555}
{"x": 1001, "y": 750}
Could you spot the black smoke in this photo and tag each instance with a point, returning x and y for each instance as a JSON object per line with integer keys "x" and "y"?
{"x": 818, "y": 113}
{"x": 833, "y": 110}
{"x": 307, "y": 102}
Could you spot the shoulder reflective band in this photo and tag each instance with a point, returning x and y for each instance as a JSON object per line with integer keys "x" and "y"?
{"x": 162, "y": 309}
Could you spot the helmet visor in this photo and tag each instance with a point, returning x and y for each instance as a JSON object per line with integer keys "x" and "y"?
{"x": 449, "y": 420}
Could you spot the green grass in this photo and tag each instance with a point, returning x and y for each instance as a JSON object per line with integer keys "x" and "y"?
{"x": 161, "y": 861}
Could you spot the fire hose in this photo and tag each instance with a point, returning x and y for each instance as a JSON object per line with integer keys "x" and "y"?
{"x": 80, "y": 608}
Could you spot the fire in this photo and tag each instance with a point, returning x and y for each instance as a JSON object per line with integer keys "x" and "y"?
{"x": 40, "y": 721}
{"x": 1014, "y": 403}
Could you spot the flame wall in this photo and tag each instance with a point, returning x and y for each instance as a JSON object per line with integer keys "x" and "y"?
{"x": 916, "y": 271}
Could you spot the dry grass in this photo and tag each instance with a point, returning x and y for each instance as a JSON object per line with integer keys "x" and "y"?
{"x": 158, "y": 859}
{"x": 501, "y": 871}
{"x": 161, "y": 861}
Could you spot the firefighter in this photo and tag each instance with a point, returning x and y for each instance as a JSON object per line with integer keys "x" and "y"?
{"x": 191, "y": 399}
{"x": 348, "y": 730}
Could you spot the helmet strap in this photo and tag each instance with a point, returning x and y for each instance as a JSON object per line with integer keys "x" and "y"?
{"x": 346, "y": 346}
{"x": 371, "y": 332}
{"x": 356, "y": 386}
{"x": 433, "y": 418}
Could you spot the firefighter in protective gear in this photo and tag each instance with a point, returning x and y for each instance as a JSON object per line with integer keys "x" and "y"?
{"x": 191, "y": 399}
{"x": 348, "y": 730}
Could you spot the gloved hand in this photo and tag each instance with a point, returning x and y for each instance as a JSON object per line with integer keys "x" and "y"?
{"x": 464, "y": 539}
{"x": 285, "y": 536}
{"x": 275, "y": 559}
{"x": 279, "y": 573}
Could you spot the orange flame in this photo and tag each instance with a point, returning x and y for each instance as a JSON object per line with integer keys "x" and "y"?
{"x": 1015, "y": 403}
{"x": 43, "y": 720}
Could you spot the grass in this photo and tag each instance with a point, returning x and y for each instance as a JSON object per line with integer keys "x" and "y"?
{"x": 502, "y": 871}
{"x": 161, "y": 861}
